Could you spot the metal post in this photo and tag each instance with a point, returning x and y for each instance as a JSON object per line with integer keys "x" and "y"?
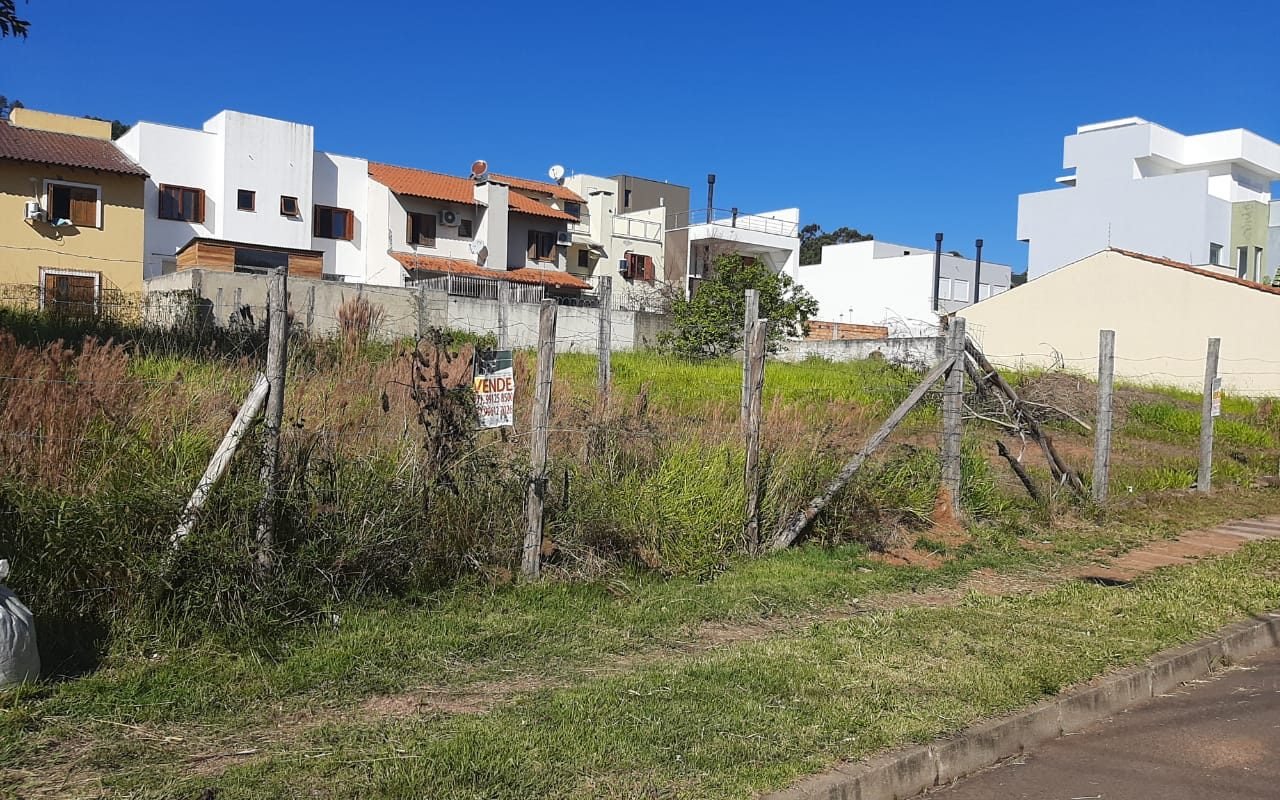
{"x": 937, "y": 269}
{"x": 750, "y": 314}
{"x": 604, "y": 344}
{"x": 277, "y": 361}
{"x": 977, "y": 268}
{"x": 504, "y": 302}
{"x": 734, "y": 222}
{"x": 535, "y": 499}
{"x": 1205, "y": 476}
{"x": 755, "y": 354}
{"x": 1102, "y": 427}
{"x": 711, "y": 195}
{"x": 952, "y": 409}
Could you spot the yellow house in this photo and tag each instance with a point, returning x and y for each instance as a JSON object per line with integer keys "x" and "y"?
{"x": 70, "y": 211}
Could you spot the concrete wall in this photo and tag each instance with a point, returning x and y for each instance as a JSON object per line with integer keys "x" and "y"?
{"x": 228, "y": 299}
{"x": 915, "y": 351}
{"x": 1162, "y": 316}
{"x": 114, "y": 248}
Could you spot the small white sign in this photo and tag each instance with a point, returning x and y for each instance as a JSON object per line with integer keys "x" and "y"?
{"x": 1217, "y": 397}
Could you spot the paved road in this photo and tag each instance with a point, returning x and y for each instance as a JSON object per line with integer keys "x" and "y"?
{"x": 1217, "y": 740}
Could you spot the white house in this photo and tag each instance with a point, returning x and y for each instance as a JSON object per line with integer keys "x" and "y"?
{"x": 880, "y": 283}
{"x": 255, "y": 186}
{"x": 770, "y": 237}
{"x": 1200, "y": 199}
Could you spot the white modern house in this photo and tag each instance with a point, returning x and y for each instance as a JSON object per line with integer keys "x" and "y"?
{"x": 1202, "y": 199}
{"x": 770, "y": 237}
{"x": 880, "y": 283}
{"x": 255, "y": 190}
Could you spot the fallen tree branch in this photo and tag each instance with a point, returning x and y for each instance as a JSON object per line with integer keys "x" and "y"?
{"x": 1018, "y": 470}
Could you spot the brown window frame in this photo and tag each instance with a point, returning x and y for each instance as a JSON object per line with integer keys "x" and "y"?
{"x": 197, "y": 207}
{"x": 413, "y": 234}
{"x": 536, "y": 240}
{"x": 72, "y": 190}
{"x": 297, "y": 207}
{"x": 253, "y": 199}
{"x": 465, "y": 229}
{"x": 319, "y": 213}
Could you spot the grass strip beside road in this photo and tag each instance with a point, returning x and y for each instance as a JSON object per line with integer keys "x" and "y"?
{"x": 758, "y": 715}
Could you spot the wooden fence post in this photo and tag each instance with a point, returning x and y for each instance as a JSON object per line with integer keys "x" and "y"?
{"x": 604, "y": 345}
{"x": 277, "y": 361}
{"x": 952, "y": 411}
{"x": 750, "y": 315}
{"x": 504, "y": 302}
{"x": 1102, "y": 428}
{"x": 531, "y": 562}
{"x": 1204, "y": 479}
{"x": 755, "y": 353}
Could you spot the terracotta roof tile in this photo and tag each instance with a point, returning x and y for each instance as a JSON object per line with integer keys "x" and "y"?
{"x": 456, "y": 266}
{"x": 1208, "y": 273}
{"x": 438, "y": 186}
{"x": 65, "y": 150}
{"x": 553, "y": 189}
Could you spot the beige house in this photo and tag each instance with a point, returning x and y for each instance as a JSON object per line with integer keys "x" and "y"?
{"x": 70, "y": 210}
{"x": 1163, "y": 313}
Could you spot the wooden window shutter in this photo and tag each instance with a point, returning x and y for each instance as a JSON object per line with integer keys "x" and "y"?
{"x": 84, "y": 207}
{"x": 408, "y": 229}
{"x": 648, "y": 268}
{"x": 199, "y": 206}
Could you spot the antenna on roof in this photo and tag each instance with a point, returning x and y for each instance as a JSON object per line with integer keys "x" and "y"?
{"x": 479, "y": 169}
{"x": 556, "y": 173}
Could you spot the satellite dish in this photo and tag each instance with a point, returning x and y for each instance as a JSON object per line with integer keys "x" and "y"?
{"x": 556, "y": 172}
{"x": 479, "y": 167}
{"x": 476, "y": 246}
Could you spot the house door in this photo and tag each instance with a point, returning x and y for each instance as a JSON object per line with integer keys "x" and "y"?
{"x": 70, "y": 293}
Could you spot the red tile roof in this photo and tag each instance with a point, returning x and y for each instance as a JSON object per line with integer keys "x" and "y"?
{"x": 456, "y": 266}
{"x": 438, "y": 186}
{"x": 64, "y": 150}
{"x": 553, "y": 189}
{"x": 1208, "y": 273}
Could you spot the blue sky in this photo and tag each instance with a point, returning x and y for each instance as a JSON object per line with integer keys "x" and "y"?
{"x": 899, "y": 119}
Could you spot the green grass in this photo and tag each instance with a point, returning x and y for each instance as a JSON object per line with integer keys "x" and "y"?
{"x": 741, "y": 720}
{"x": 1168, "y": 422}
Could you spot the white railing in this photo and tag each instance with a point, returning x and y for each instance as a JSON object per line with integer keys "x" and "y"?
{"x": 633, "y": 228}
{"x": 731, "y": 218}
{"x": 480, "y": 288}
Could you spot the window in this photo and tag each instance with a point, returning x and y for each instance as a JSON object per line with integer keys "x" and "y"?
{"x": 464, "y": 229}
{"x": 573, "y": 209}
{"x": 944, "y": 288}
{"x": 333, "y": 223}
{"x": 181, "y": 203}
{"x": 626, "y": 198}
{"x": 248, "y": 259}
{"x": 959, "y": 289}
{"x": 246, "y": 200}
{"x": 1242, "y": 262}
{"x": 422, "y": 229}
{"x": 79, "y": 204}
{"x": 1215, "y": 253}
{"x": 984, "y": 291}
{"x": 542, "y": 246}
{"x": 639, "y": 267}
{"x": 289, "y": 206}
{"x": 584, "y": 259}
{"x": 69, "y": 291}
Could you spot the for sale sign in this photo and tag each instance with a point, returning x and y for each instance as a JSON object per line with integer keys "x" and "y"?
{"x": 494, "y": 385}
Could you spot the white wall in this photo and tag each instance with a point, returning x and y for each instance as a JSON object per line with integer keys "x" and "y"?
{"x": 273, "y": 158}
{"x": 342, "y": 182}
{"x": 852, "y": 284}
{"x": 176, "y": 156}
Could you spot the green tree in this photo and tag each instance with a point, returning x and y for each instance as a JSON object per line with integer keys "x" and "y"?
{"x": 10, "y": 23}
{"x": 813, "y": 238}
{"x": 709, "y": 324}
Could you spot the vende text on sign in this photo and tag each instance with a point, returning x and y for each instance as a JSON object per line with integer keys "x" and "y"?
{"x": 494, "y": 386}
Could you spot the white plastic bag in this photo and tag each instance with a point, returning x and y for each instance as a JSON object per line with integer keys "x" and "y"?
{"x": 19, "y": 658}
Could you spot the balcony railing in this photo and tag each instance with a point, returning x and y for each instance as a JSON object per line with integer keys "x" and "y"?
{"x": 731, "y": 218}
{"x": 633, "y": 228}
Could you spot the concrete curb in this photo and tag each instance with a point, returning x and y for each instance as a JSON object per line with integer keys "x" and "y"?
{"x": 907, "y": 773}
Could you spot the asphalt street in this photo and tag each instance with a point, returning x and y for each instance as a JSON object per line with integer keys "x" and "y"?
{"x": 1209, "y": 740}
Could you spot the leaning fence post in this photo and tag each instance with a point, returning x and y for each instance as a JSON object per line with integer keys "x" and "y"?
{"x": 504, "y": 302}
{"x": 755, "y": 354}
{"x": 1208, "y": 410}
{"x": 750, "y": 315}
{"x": 952, "y": 410}
{"x": 1102, "y": 428}
{"x": 604, "y": 344}
{"x": 277, "y": 360}
{"x": 531, "y": 562}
